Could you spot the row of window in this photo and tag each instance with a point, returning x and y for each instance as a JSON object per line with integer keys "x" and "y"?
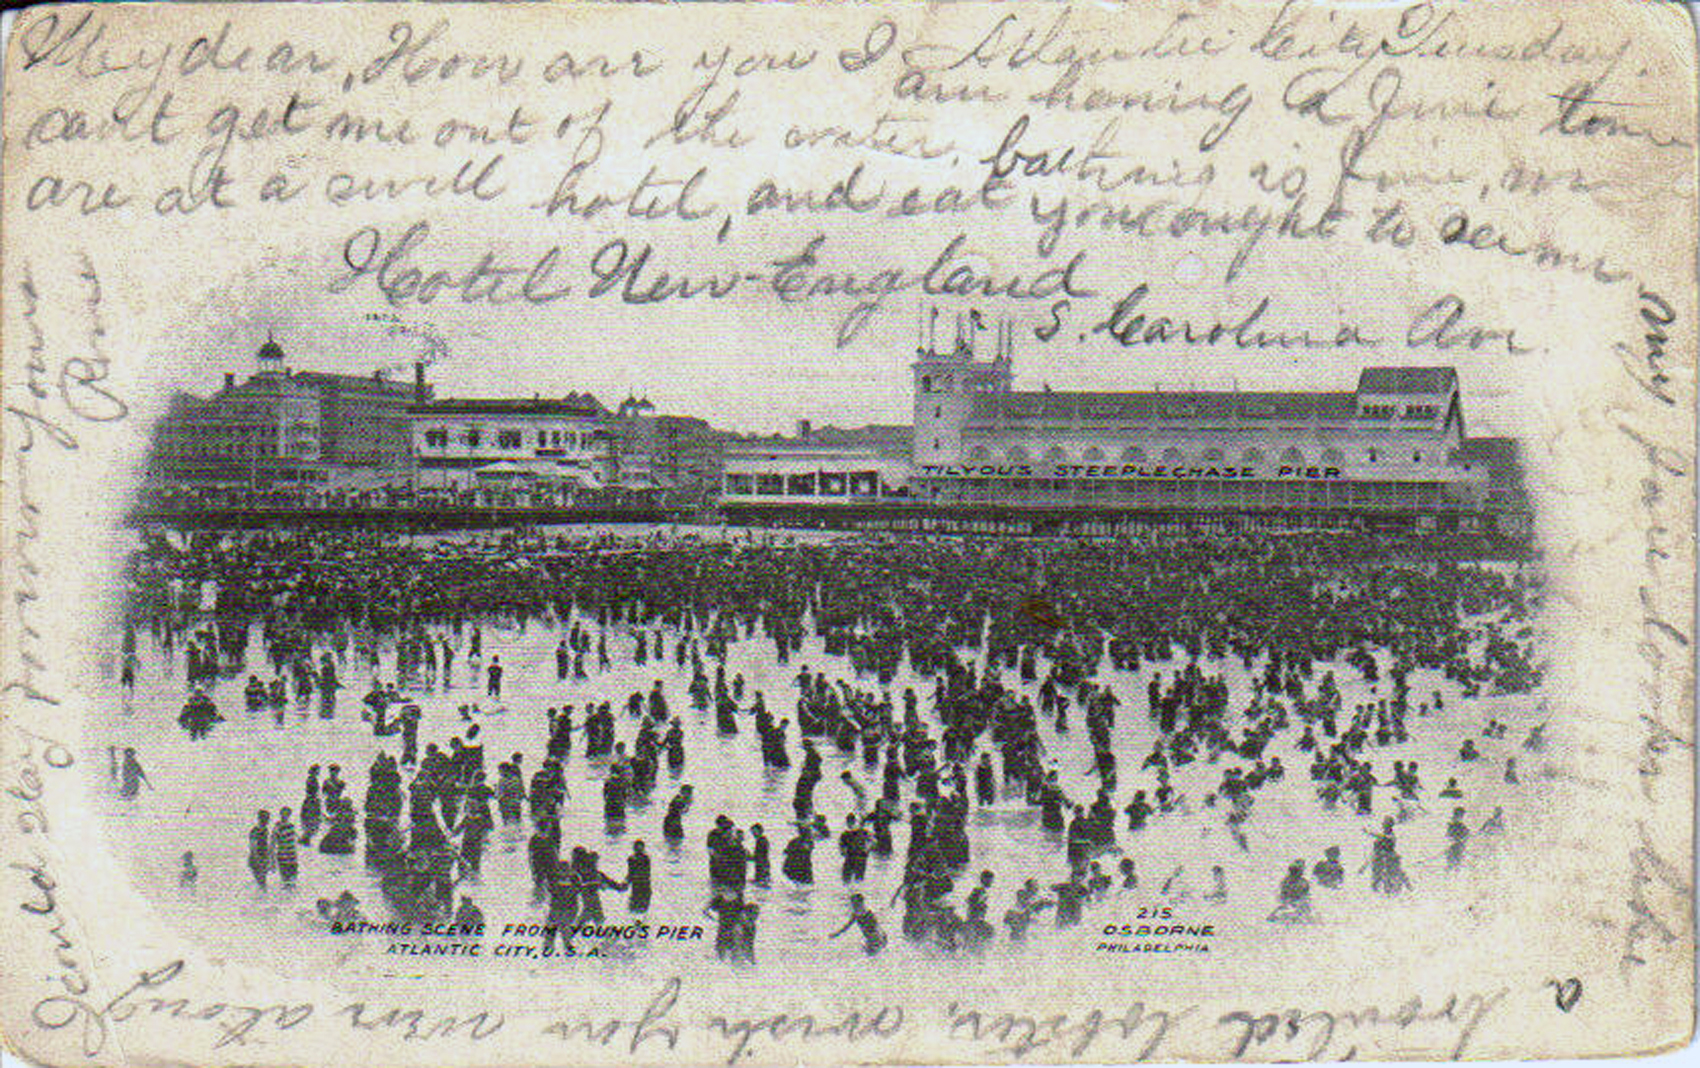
{"x": 1414, "y": 412}
{"x": 985, "y": 382}
{"x": 242, "y": 451}
{"x": 229, "y": 430}
{"x": 826, "y": 484}
{"x": 1135, "y": 455}
{"x": 472, "y": 437}
{"x": 1159, "y": 491}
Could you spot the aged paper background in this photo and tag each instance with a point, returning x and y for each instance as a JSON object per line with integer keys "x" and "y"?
{"x": 1507, "y": 189}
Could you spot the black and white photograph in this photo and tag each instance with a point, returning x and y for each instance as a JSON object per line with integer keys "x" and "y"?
{"x": 947, "y": 686}
{"x": 775, "y": 534}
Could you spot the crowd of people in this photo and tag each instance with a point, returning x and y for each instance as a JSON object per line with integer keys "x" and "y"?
{"x": 949, "y": 676}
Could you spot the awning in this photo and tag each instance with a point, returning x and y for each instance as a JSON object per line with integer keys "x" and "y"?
{"x": 503, "y": 469}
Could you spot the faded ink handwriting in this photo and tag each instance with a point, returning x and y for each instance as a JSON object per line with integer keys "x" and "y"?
{"x": 1065, "y": 1034}
{"x": 1314, "y": 1034}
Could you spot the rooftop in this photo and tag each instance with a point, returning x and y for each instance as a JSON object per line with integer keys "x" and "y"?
{"x": 367, "y": 383}
{"x": 896, "y": 439}
{"x": 574, "y": 404}
{"x": 1500, "y": 454}
{"x": 1226, "y": 405}
{"x": 1429, "y": 380}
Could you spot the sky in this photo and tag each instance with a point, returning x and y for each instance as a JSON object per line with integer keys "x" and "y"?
{"x": 733, "y": 364}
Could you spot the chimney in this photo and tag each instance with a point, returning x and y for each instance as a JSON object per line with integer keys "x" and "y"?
{"x": 420, "y": 393}
{"x": 229, "y": 381}
{"x": 803, "y": 428}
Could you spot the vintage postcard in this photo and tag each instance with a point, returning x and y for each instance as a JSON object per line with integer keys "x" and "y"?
{"x": 676, "y": 534}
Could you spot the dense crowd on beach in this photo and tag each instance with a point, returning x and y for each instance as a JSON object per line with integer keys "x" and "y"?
{"x": 945, "y": 677}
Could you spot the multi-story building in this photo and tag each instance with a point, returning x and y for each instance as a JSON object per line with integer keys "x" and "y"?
{"x": 485, "y": 442}
{"x": 672, "y": 452}
{"x": 571, "y": 441}
{"x": 285, "y": 427}
{"x": 1394, "y": 447}
{"x": 826, "y": 465}
{"x": 1393, "y": 442}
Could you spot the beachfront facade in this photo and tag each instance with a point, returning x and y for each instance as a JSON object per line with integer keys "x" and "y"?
{"x": 1393, "y": 447}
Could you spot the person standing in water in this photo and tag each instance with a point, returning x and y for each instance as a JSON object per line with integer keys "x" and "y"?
{"x": 130, "y": 775}
{"x": 799, "y": 857}
{"x": 283, "y": 848}
{"x": 873, "y": 939}
{"x": 761, "y": 864}
{"x": 637, "y": 878}
{"x": 260, "y": 847}
{"x": 1293, "y": 896}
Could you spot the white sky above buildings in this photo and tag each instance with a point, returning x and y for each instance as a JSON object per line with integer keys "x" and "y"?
{"x": 738, "y": 374}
